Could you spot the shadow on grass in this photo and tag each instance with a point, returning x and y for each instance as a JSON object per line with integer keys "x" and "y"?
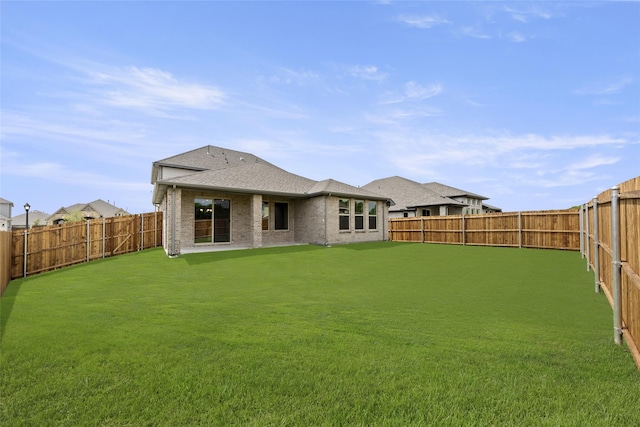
{"x": 207, "y": 257}
{"x": 367, "y": 246}
{"x": 6, "y": 303}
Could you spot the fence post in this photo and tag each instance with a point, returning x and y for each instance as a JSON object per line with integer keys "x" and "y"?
{"x": 615, "y": 240}
{"x": 464, "y": 231}
{"x": 103, "y": 236}
{"x": 422, "y": 230}
{"x": 88, "y": 240}
{"x": 141, "y": 231}
{"x": 519, "y": 229}
{"x": 596, "y": 245}
{"x": 24, "y": 267}
{"x": 586, "y": 234}
{"x": 582, "y": 230}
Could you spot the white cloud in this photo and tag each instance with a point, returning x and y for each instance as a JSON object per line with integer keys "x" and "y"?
{"x": 593, "y": 161}
{"x": 414, "y": 90}
{"x": 607, "y": 88}
{"x": 524, "y": 15}
{"x": 367, "y": 72}
{"x": 54, "y": 172}
{"x": 516, "y": 37}
{"x": 153, "y": 90}
{"x": 288, "y": 76}
{"x": 474, "y": 32}
{"x": 422, "y": 21}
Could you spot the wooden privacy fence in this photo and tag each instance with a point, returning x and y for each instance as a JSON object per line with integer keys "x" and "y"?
{"x": 534, "y": 229}
{"x": 610, "y": 241}
{"x": 52, "y": 247}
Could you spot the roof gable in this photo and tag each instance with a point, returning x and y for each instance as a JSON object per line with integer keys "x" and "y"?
{"x": 408, "y": 194}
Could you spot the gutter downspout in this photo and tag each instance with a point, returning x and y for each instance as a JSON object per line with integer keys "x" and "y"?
{"x": 326, "y": 241}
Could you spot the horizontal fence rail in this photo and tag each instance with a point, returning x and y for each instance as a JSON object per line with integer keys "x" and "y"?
{"x": 610, "y": 236}
{"x": 41, "y": 249}
{"x": 533, "y": 229}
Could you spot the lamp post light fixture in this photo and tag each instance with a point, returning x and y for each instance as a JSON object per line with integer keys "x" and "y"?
{"x": 26, "y": 209}
{"x": 26, "y": 234}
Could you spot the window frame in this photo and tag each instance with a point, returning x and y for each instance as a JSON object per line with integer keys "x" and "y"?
{"x": 358, "y": 218}
{"x": 265, "y": 218}
{"x": 344, "y": 213}
{"x": 373, "y": 217}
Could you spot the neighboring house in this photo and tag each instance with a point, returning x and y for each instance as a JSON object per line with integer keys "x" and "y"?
{"x": 5, "y": 214}
{"x": 472, "y": 201}
{"x": 490, "y": 209}
{"x": 215, "y": 196}
{"x": 36, "y": 218}
{"x": 96, "y": 209}
{"x": 413, "y": 199}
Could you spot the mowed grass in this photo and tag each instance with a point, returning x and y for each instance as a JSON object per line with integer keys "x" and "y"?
{"x": 365, "y": 334}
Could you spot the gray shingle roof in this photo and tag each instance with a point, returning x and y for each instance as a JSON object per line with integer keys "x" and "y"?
{"x": 408, "y": 194}
{"x": 448, "y": 191}
{"x": 210, "y": 158}
{"x": 218, "y": 168}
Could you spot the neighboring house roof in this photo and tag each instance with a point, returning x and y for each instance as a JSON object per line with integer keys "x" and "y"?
{"x": 19, "y": 221}
{"x": 408, "y": 194}
{"x": 217, "y": 168}
{"x": 493, "y": 208}
{"x": 5, "y": 202}
{"x": 102, "y": 208}
{"x": 448, "y": 191}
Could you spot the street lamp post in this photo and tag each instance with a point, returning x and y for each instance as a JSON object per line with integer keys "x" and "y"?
{"x": 26, "y": 235}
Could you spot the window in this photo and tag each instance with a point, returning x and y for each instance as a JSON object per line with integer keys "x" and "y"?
{"x": 281, "y": 215}
{"x": 265, "y": 216}
{"x": 203, "y": 231}
{"x": 212, "y": 221}
{"x": 358, "y": 208}
{"x": 222, "y": 221}
{"x": 343, "y": 212}
{"x": 373, "y": 215}
{"x": 426, "y": 212}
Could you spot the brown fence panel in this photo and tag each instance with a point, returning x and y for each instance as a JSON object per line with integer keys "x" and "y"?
{"x": 5, "y": 260}
{"x": 538, "y": 229}
{"x": 443, "y": 229}
{"x": 551, "y": 230}
{"x": 57, "y": 246}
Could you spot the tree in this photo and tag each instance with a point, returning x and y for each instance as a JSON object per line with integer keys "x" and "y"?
{"x": 74, "y": 216}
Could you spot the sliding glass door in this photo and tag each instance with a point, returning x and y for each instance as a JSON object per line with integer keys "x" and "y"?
{"x": 212, "y": 221}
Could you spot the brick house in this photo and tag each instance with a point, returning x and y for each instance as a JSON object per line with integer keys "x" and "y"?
{"x": 214, "y": 196}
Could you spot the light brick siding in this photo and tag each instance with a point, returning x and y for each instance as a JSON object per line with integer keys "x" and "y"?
{"x": 310, "y": 221}
{"x": 313, "y": 220}
{"x": 166, "y": 207}
{"x": 279, "y": 237}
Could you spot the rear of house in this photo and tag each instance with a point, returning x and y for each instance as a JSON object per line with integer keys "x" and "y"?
{"x": 214, "y": 196}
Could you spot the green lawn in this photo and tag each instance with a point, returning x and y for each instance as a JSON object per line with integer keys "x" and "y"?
{"x": 367, "y": 334}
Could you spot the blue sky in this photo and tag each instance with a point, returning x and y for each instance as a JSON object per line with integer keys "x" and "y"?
{"x": 534, "y": 105}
